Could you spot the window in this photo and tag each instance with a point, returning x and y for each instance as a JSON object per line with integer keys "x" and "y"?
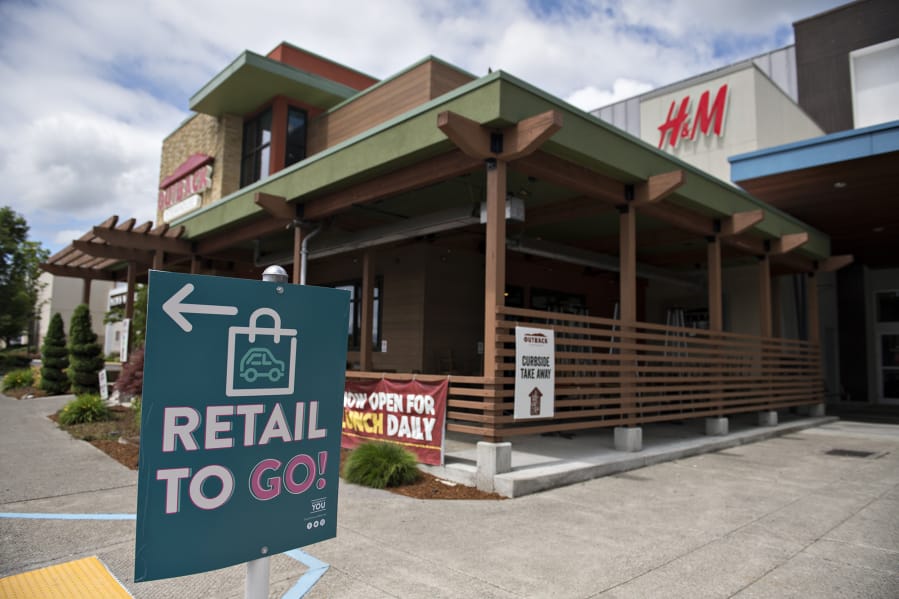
{"x": 354, "y": 326}
{"x": 296, "y": 136}
{"x": 257, "y": 151}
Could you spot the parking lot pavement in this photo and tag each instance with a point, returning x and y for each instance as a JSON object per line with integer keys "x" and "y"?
{"x": 784, "y": 517}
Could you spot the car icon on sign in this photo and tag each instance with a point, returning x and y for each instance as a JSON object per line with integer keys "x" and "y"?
{"x": 260, "y": 363}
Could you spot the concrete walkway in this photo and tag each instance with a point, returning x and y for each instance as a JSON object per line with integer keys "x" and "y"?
{"x": 776, "y": 518}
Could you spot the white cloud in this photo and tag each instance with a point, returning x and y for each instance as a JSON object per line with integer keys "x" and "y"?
{"x": 590, "y": 97}
{"x": 91, "y": 87}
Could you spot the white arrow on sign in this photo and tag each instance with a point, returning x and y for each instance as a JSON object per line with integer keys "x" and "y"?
{"x": 174, "y": 308}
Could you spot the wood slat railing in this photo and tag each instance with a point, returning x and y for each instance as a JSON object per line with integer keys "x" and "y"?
{"x": 609, "y": 375}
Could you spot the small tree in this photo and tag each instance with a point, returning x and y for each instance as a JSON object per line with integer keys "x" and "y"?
{"x": 55, "y": 358}
{"x": 131, "y": 382}
{"x": 85, "y": 354}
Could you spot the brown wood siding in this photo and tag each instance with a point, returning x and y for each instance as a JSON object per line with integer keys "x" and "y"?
{"x": 402, "y": 311}
{"x": 410, "y": 89}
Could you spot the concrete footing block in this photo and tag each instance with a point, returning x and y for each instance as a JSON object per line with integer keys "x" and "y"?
{"x": 716, "y": 426}
{"x": 817, "y": 410}
{"x": 628, "y": 438}
{"x": 768, "y": 418}
{"x": 493, "y": 459}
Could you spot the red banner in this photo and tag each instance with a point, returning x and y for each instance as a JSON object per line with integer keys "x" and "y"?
{"x": 410, "y": 413}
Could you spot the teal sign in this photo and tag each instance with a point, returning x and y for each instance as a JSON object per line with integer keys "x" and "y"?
{"x": 241, "y": 419}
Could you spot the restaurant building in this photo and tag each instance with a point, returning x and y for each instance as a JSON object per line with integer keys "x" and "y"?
{"x": 455, "y": 207}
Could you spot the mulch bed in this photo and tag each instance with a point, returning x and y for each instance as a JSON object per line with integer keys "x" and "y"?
{"x": 119, "y": 438}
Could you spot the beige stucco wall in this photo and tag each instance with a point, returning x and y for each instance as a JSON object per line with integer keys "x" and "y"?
{"x": 758, "y": 115}
{"x": 63, "y": 294}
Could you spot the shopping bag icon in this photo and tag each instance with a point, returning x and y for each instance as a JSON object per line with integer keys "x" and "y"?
{"x": 261, "y": 360}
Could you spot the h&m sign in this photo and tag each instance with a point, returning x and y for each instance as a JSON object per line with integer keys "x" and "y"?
{"x": 707, "y": 118}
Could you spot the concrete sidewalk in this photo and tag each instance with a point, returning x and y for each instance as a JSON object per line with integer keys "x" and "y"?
{"x": 777, "y": 518}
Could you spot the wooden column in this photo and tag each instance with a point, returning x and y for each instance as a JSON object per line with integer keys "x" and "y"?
{"x": 297, "y": 254}
{"x": 158, "y": 259}
{"x": 776, "y": 308}
{"x": 627, "y": 245}
{"x": 811, "y": 300}
{"x": 495, "y": 260}
{"x": 129, "y": 295}
{"x": 86, "y": 291}
{"x": 627, "y": 302}
{"x": 194, "y": 264}
{"x": 716, "y": 312}
{"x": 765, "y": 296}
{"x": 367, "y": 299}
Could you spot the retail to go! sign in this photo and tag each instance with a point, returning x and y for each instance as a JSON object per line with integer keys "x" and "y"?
{"x": 241, "y": 421}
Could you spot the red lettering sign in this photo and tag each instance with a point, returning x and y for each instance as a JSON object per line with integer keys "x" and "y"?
{"x": 707, "y": 119}
{"x": 410, "y": 413}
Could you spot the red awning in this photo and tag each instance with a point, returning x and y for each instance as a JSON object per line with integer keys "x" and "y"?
{"x": 187, "y": 167}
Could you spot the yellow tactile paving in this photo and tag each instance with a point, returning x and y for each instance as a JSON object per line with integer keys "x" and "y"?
{"x": 85, "y": 578}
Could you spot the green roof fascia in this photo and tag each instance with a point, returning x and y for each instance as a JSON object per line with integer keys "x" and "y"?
{"x": 410, "y": 136}
{"x": 252, "y": 79}
{"x": 589, "y": 141}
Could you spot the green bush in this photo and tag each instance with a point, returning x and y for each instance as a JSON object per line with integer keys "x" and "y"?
{"x": 381, "y": 465}
{"x": 13, "y": 359}
{"x": 85, "y": 354}
{"x": 84, "y": 408}
{"x": 135, "y": 405}
{"x": 55, "y": 358}
{"x": 16, "y": 379}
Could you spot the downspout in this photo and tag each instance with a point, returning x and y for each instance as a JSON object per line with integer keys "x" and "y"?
{"x": 304, "y": 250}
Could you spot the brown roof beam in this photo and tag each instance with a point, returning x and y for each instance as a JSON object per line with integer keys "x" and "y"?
{"x": 102, "y": 250}
{"x": 276, "y": 206}
{"x": 468, "y": 135}
{"x": 834, "y": 263}
{"x": 142, "y": 241}
{"x": 434, "y": 170}
{"x": 740, "y": 221}
{"x": 657, "y": 187}
{"x": 580, "y": 179}
{"x": 526, "y": 136}
{"x": 788, "y": 243}
{"x": 78, "y": 273}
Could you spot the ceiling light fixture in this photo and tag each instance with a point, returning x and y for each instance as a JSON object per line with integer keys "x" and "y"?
{"x": 840, "y": 185}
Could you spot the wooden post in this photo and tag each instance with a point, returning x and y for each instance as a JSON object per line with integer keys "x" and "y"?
{"x": 367, "y": 299}
{"x": 765, "y": 296}
{"x": 494, "y": 280}
{"x": 297, "y": 255}
{"x": 811, "y": 300}
{"x": 86, "y": 291}
{"x": 129, "y": 295}
{"x": 194, "y": 264}
{"x": 158, "y": 259}
{"x": 776, "y": 308}
{"x": 495, "y": 260}
{"x": 627, "y": 302}
{"x": 716, "y": 319}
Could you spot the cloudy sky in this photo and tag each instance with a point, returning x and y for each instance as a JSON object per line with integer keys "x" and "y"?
{"x": 91, "y": 87}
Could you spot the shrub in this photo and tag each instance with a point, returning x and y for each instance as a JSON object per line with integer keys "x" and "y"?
{"x": 131, "y": 380}
{"x": 55, "y": 358}
{"x": 16, "y": 379}
{"x": 135, "y": 405}
{"x": 11, "y": 360}
{"x": 381, "y": 465}
{"x": 84, "y": 408}
{"x": 85, "y": 354}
